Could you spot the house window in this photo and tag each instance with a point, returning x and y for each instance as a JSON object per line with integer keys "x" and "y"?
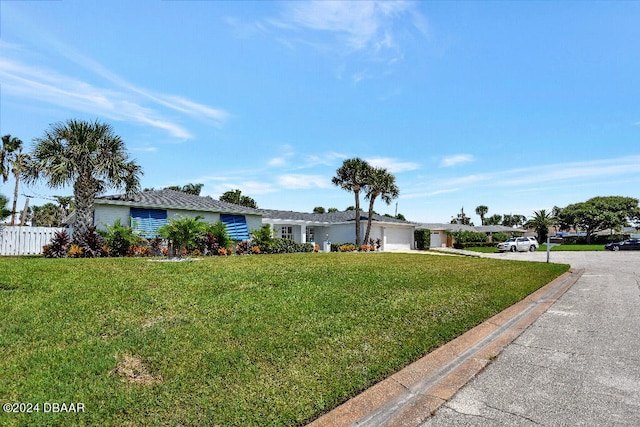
{"x": 237, "y": 228}
{"x": 310, "y": 235}
{"x": 145, "y": 222}
{"x": 286, "y": 232}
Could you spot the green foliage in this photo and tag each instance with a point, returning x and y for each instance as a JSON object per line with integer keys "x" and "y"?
{"x": 286, "y": 246}
{"x": 119, "y": 238}
{"x": 262, "y": 237}
{"x": 88, "y": 156}
{"x": 468, "y": 236}
{"x": 541, "y": 221}
{"x": 237, "y": 198}
{"x": 4, "y": 212}
{"x": 500, "y": 237}
{"x": 422, "y": 238}
{"x": 319, "y": 210}
{"x": 599, "y": 213}
{"x": 183, "y": 233}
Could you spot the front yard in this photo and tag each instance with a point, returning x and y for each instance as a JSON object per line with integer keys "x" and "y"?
{"x": 259, "y": 340}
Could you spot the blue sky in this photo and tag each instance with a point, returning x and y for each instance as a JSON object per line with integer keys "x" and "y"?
{"x": 519, "y": 106}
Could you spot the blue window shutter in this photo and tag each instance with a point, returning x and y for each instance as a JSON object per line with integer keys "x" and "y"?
{"x": 147, "y": 221}
{"x": 237, "y": 227}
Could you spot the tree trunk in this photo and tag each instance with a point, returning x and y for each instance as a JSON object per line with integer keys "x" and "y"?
{"x": 357, "y": 193}
{"x": 366, "y": 235}
{"x": 15, "y": 201}
{"x": 84, "y": 193}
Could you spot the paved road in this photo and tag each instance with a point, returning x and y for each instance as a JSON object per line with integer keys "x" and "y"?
{"x": 578, "y": 364}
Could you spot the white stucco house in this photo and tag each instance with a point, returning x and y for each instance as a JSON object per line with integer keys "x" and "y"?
{"x": 322, "y": 229}
{"x": 148, "y": 210}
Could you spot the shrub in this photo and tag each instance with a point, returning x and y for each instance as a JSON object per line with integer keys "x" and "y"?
{"x": 119, "y": 238}
{"x": 243, "y": 248}
{"x": 155, "y": 246}
{"x": 255, "y": 249}
{"x": 468, "y": 236}
{"x": 500, "y": 237}
{"x": 182, "y": 233}
{"x": 75, "y": 251}
{"x": 222, "y": 252}
{"x": 91, "y": 243}
{"x": 422, "y": 238}
{"x": 57, "y": 247}
{"x": 347, "y": 247}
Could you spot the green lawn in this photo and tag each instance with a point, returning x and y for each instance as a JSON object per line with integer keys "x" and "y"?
{"x": 233, "y": 341}
{"x": 543, "y": 248}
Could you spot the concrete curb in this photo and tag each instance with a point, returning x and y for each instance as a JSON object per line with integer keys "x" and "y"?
{"x": 409, "y": 397}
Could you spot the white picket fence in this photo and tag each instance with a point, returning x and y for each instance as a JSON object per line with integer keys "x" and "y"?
{"x": 25, "y": 240}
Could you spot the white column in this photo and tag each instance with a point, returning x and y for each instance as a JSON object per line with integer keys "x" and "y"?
{"x": 303, "y": 234}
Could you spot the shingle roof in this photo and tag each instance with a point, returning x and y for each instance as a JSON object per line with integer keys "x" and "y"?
{"x": 327, "y": 218}
{"x": 172, "y": 199}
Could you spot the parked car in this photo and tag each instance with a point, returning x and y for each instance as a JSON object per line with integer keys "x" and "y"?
{"x": 626, "y": 245}
{"x": 520, "y": 244}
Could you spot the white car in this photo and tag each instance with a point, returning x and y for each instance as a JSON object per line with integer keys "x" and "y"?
{"x": 520, "y": 244}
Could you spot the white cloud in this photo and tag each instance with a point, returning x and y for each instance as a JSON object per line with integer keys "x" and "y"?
{"x": 392, "y": 165}
{"x": 456, "y": 160}
{"x": 357, "y": 25}
{"x": 302, "y": 181}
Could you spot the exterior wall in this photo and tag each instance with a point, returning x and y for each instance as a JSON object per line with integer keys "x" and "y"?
{"x": 104, "y": 215}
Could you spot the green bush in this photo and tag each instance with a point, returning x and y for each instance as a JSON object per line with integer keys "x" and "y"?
{"x": 422, "y": 238}
{"x": 286, "y": 246}
{"x": 500, "y": 237}
{"x": 119, "y": 238}
{"x": 462, "y": 237}
{"x": 474, "y": 245}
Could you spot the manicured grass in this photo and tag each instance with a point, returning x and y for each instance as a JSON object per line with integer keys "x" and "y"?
{"x": 543, "y": 248}
{"x": 256, "y": 340}
{"x": 599, "y": 247}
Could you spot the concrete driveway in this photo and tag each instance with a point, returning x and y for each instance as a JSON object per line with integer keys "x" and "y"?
{"x": 578, "y": 364}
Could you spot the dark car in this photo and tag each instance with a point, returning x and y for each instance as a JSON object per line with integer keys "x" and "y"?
{"x": 627, "y": 245}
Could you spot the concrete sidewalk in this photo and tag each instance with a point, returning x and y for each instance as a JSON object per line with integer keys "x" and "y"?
{"x": 574, "y": 359}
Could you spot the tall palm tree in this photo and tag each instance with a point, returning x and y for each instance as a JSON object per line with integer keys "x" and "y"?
{"x": 481, "y": 211}
{"x": 353, "y": 176}
{"x": 381, "y": 184}
{"x": 89, "y": 156}
{"x": 541, "y": 221}
{"x": 4, "y": 212}
{"x": 12, "y": 159}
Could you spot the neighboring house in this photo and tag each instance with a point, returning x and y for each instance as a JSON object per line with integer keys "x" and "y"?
{"x": 339, "y": 227}
{"x": 147, "y": 211}
{"x": 440, "y": 233}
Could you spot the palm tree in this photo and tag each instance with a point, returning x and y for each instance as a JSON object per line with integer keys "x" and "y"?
{"x": 382, "y": 183}
{"x": 12, "y": 159}
{"x": 541, "y": 221}
{"x": 87, "y": 155}
{"x": 481, "y": 211}
{"x": 353, "y": 176}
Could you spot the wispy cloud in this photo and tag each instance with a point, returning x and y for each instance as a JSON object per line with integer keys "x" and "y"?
{"x": 371, "y": 26}
{"x": 595, "y": 172}
{"x": 456, "y": 160}
{"x": 303, "y": 181}
{"x": 392, "y": 165}
{"x": 116, "y": 98}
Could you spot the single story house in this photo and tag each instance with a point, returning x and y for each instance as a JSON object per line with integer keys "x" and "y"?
{"x": 440, "y": 236}
{"x": 146, "y": 211}
{"x": 322, "y": 229}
